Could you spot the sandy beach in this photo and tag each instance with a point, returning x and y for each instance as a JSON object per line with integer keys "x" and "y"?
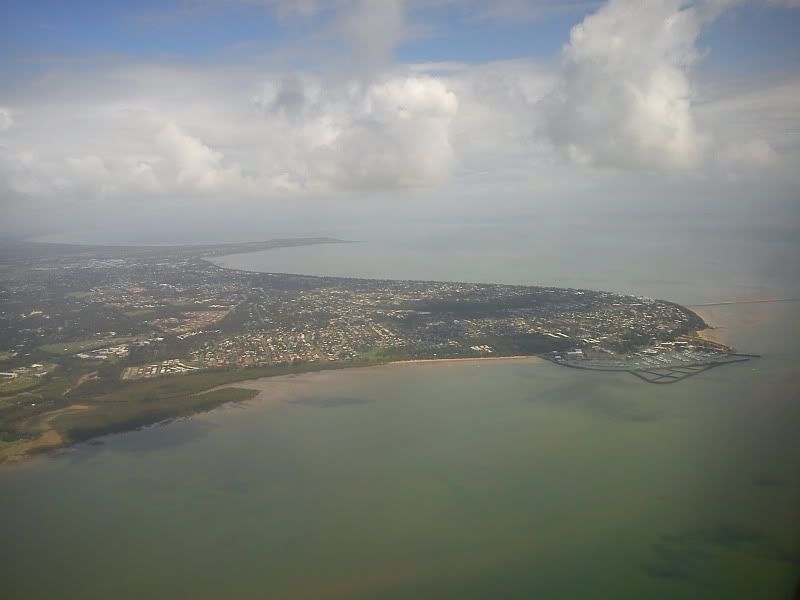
{"x": 734, "y": 318}
{"x": 444, "y": 361}
{"x": 714, "y": 333}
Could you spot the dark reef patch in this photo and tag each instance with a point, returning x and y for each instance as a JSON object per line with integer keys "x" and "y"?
{"x": 682, "y": 555}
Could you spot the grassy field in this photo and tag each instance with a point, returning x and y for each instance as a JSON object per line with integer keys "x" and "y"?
{"x": 140, "y": 313}
{"x": 12, "y": 386}
{"x": 5, "y": 444}
{"x": 78, "y": 295}
{"x": 63, "y": 348}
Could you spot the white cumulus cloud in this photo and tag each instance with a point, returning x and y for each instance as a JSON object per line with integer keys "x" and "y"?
{"x": 194, "y": 165}
{"x": 293, "y": 133}
{"x": 394, "y": 132}
{"x": 621, "y": 96}
{"x": 624, "y": 95}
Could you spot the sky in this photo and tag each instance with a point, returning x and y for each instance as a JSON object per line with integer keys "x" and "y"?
{"x": 196, "y": 116}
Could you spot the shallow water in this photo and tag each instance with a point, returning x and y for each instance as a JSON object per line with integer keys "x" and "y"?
{"x": 485, "y": 479}
{"x": 511, "y": 479}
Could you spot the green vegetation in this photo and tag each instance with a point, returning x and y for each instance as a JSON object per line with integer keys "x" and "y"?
{"x": 124, "y": 405}
{"x": 140, "y": 314}
{"x": 510, "y": 345}
{"x": 7, "y": 444}
{"x": 11, "y": 386}
{"x": 193, "y": 383}
{"x": 79, "y": 403}
{"x": 20, "y": 411}
{"x": 522, "y": 344}
{"x": 78, "y": 295}
{"x": 85, "y": 345}
{"x": 62, "y": 301}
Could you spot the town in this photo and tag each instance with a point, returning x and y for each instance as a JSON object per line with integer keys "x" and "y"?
{"x": 79, "y": 322}
{"x": 140, "y": 311}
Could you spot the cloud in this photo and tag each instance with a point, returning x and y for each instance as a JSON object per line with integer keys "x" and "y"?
{"x": 372, "y": 30}
{"x": 5, "y": 119}
{"x": 624, "y": 98}
{"x": 288, "y": 8}
{"x": 753, "y": 153}
{"x": 621, "y": 96}
{"x": 390, "y": 133}
{"x": 754, "y": 126}
{"x": 195, "y": 167}
{"x": 177, "y": 132}
{"x": 529, "y": 10}
{"x": 368, "y": 30}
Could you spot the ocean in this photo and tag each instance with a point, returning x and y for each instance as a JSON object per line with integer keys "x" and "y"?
{"x": 493, "y": 479}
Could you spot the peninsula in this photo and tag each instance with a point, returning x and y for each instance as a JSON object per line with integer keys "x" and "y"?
{"x": 100, "y": 339}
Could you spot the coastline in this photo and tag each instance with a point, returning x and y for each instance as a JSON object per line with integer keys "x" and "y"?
{"x": 713, "y": 332}
{"x": 51, "y": 440}
{"x": 463, "y": 360}
{"x": 363, "y": 367}
{"x": 186, "y": 395}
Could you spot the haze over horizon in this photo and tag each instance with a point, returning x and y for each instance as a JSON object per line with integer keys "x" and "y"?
{"x": 229, "y": 118}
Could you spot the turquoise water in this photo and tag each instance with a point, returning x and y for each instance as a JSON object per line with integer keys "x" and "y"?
{"x": 504, "y": 479}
